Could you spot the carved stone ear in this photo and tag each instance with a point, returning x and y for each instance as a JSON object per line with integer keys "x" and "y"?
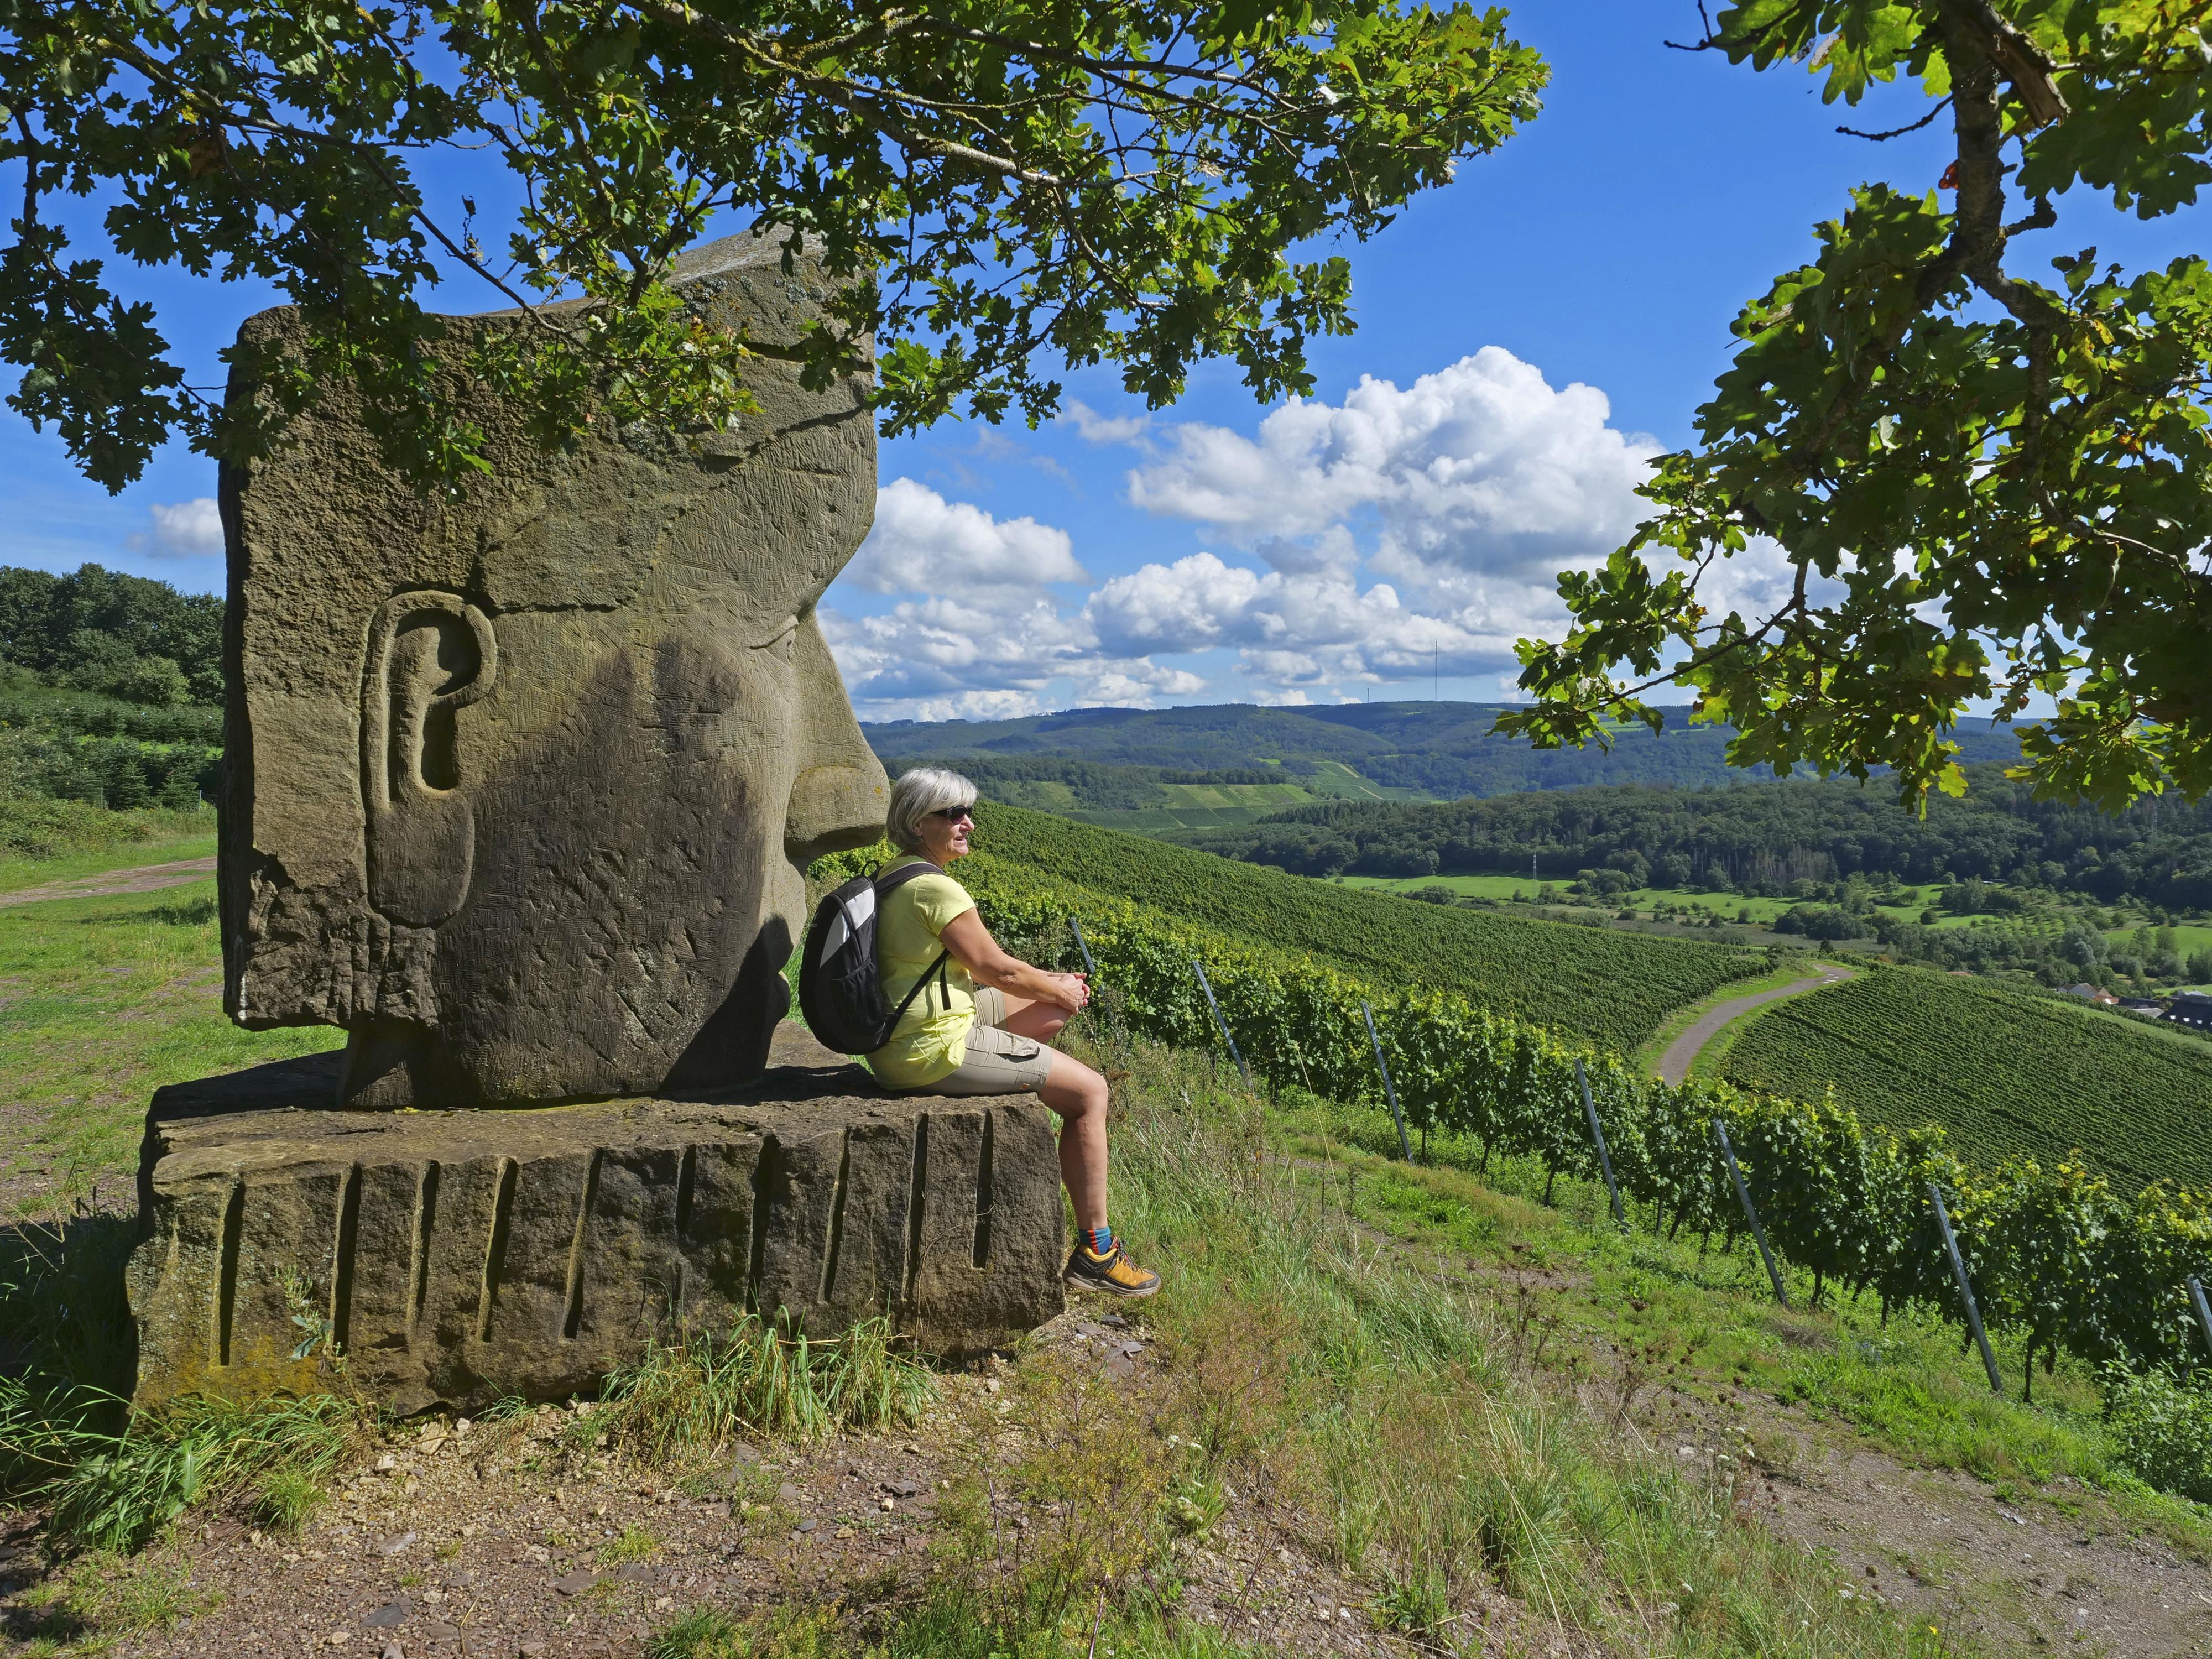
{"x": 429, "y": 654}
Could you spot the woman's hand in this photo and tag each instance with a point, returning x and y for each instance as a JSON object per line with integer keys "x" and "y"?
{"x": 1068, "y": 991}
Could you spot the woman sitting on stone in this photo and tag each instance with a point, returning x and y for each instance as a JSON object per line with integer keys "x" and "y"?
{"x": 981, "y": 1024}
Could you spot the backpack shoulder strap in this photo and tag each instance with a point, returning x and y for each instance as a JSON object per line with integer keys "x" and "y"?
{"x": 891, "y": 881}
{"x": 935, "y": 968}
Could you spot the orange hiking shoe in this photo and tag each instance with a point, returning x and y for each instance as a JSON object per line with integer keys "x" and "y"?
{"x": 1112, "y": 1273}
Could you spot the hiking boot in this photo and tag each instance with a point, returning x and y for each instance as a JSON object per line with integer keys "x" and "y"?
{"x": 1114, "y": 1273}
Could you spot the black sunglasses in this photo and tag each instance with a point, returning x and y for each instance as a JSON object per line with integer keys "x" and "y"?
{"x": 953, "y": 814}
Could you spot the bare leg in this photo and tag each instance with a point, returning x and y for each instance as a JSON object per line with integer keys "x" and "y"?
{"x": 1079, "y": 1095}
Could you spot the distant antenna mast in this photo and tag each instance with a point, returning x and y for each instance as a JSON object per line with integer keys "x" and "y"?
{"x": 1436, "y": 671}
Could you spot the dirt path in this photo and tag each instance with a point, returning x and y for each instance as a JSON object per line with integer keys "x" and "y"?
{"x": 146, "y": 878}
{"x": 2035, "y": 1568}
{"x": 1682, "y": 1053}
{"x": 521, "y": 1538}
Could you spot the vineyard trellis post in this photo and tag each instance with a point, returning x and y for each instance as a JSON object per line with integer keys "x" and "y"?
{"x": 2203, "y": 1310}
{"x": 1966, "y": 1288}
{"x": 1116, "y": 1028}
{"x": 1389, "y": 1088}
{"x": 1597, "y": 1134}
{"x": 1743, "y": 1196}
{"x": 1243, "y": 1069}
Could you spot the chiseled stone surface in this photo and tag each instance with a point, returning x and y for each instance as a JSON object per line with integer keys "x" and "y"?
{"x": 520, "y": 783}
{"x": 462, "y": 1255}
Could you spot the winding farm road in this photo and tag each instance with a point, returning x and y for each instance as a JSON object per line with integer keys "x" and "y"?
{"x": 1675, "y": 1064}
{"x": 146, "y": 878}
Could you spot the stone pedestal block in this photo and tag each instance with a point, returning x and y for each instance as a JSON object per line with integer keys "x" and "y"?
{"x": 464, "y": 1255}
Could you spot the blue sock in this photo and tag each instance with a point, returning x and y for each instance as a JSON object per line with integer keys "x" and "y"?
{"x": 1099, "y": 1241}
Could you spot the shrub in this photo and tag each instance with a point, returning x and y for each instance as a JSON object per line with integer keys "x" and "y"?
{"x": 2162, "y": 1430}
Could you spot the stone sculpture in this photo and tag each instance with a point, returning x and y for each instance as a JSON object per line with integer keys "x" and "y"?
{"x": 522, "y": 784}
{"x": 521, "y": 788}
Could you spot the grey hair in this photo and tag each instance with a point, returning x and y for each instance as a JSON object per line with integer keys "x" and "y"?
{"x": 916, "y": 796}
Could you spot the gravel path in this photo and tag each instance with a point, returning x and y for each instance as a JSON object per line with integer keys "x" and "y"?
{"x": 1682, "y": 1052}
{"x": 144, "y": 879}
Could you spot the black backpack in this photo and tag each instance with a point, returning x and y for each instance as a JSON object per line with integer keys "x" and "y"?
{"x": 840, "y": 985}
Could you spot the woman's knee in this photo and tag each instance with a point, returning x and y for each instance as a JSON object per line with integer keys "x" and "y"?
{"x": 1073, "y": 1090}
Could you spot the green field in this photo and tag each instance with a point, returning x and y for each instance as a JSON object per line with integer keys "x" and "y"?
{"x": 2003, "y": 1073}
{"x": 1215, "y": 806}
{"x": 1511, "y": 890}
{"x": 102, "y": 1000}
{"x": 1614, "y": 988}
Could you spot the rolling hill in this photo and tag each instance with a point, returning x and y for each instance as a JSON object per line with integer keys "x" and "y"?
{"x": 1439, "y": 750}
{"x": 2003, "y": 1072}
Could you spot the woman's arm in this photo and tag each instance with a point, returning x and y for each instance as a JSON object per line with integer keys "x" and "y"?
{"x": 973, "y": 947}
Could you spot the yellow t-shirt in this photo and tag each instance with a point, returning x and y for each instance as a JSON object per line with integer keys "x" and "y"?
{"x": 930, "y": 1040}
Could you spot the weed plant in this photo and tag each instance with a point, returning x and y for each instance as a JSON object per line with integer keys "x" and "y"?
{"x": 682, "y": 1399}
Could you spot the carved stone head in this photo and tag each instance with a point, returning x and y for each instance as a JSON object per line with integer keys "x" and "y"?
{"x": 521, "y": 787}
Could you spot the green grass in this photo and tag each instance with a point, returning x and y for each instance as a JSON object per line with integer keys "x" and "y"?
{"x": 2003, "y": 1073}
{"x": 1703, "y": 1321}
{"x": 683, "y": 1400}
{"x": 102, "y": 1001}
{"x": 1614, "y": 988}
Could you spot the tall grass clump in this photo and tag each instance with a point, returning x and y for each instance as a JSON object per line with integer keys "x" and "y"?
{"x": 274, "y": 1454}
{"x": 110, "y": 1478}
{"x": 66, "y": 1345}
{"x": 684, "y": 1397}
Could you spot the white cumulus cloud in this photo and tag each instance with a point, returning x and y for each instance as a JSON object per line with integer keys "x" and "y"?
{"x": 1289, "y": 628}
{"x": 975, "y": 633}
{"x": 181, "y": 530}
{"x": 1399, "y": 532}
{"x": 922, "y": 543}
{"x": 1480, "y": 468}
{"x": 1098, "y": 428}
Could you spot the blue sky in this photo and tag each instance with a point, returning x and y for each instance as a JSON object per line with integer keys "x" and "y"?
{"x": 1529, "y": 337}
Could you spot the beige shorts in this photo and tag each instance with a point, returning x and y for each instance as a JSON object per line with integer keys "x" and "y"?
{"x": 997, "y": 1062}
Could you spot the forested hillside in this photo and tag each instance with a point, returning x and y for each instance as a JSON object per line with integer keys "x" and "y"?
{"x": 1759, "y": 837}
{"x": 1611, "y": 989}
{"x": 109, "y": 689}
{"x": 1438, "y": 749}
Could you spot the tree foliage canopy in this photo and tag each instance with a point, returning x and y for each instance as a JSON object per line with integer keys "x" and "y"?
{"x": 1005, "y": 185}
{"x": 1989, "y": 485}
{"x": 122, "y": 636}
